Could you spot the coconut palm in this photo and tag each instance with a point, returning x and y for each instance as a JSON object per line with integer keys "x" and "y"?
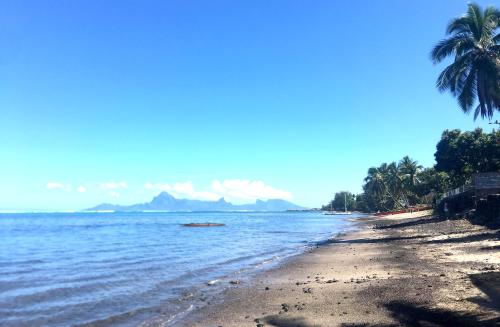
{"x": 375, "y": 187}
{"x": 383, "y": 183}
{"x": 409, "y": 169}
{"x": 475, "y": 72}
{"x": 395, "y": 184}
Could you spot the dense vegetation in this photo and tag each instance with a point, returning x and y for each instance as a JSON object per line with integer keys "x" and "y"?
{"x": 474, "y": 74}
{"x": 337, "y": 203}
{"x": 398, "y": 185}
{"x": 461, "y": 154}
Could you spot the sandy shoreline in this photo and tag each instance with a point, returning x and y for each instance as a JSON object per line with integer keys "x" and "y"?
{"x": 393, "y": 271}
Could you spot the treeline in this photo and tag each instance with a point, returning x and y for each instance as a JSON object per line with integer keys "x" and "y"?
{"x": 405, "y": 183}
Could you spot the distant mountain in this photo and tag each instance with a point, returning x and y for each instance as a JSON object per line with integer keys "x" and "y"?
{"x": 166, "y": 202}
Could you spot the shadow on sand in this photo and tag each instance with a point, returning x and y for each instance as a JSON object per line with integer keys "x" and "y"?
{"x": 468, "y": 238}
{"x": 408, "y": 314}
{"x": 280, "y": 321}
{"x": 489, "y": 284}
{"x": 379, "y": 240}
{"x": 411, "y": 223}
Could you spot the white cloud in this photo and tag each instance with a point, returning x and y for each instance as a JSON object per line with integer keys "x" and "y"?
{"x": 81, "y": 189}
{"x": 58, "y": 186}
{"x": 55, "y": 185}
{"x": 239, "y": 189}
{"x": 183, "y": 190}
{"x": 231, "y": 190}
{"x": 114, "y": 185}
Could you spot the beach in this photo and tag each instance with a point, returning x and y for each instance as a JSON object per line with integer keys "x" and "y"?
{"x": 402, "y": 270}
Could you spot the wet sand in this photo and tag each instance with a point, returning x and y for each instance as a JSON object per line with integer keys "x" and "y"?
{"x": 393, "y": 271}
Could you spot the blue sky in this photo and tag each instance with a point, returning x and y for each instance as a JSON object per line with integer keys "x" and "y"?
{"x": 112, "y": 101}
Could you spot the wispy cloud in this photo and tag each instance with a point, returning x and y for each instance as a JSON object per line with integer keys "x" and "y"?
{"x": 58, "y": 186}
{"x": 114, "y": 185}
{"x": 183, "y": 190}
{"x": 54, "y": 185}
{"x": 81, "y": 189}
{"x": 232, "y": 189}
{"x": 239, "y": 189}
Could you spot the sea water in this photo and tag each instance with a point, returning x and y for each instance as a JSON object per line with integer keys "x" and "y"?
{"x": 60, "y": 269}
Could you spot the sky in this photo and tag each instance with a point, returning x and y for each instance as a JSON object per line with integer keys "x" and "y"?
{"x": 115, "y": 101}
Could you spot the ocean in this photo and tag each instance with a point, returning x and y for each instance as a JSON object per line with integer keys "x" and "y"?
{"x": 128, "y": 269}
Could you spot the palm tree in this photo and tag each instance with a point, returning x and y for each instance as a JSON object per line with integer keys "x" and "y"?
{"x": 384, "y": 184}
{"x": 375, "y": 187}
{"x": 394, "y": 181}
{"x": 475, "y": 72}
{"x": 409, "y": 169}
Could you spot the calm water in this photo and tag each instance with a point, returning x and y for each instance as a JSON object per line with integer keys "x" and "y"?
{"x": 125, "y": 268}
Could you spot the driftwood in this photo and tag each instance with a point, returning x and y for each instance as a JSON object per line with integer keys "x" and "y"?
{"x": 203, "y": 225}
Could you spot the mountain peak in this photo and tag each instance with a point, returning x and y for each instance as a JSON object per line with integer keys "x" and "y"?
{"x": 166, "y": 202}
{"x": 164, "y": 195}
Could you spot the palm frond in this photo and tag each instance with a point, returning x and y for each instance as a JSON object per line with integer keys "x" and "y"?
{"x": 451, "y": 77}
{"x": 448, "y": 46}
{"x": 459, "y": 25}
{"x": 496, "y": 39}
{"x": 490, "y": 24}
{"x": 468, "y": 93}
{"x": 475, "y": 18}
{"x": 465, "y": 45}
{"x": 477, "y": 112}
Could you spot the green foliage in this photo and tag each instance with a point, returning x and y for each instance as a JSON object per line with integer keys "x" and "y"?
{"x": 458, "y": 155}
{"x": 432, "y": 182}
{"x": 473, "y": 43}
{"x": 392, "y": 186}
{"x": 462, "y": 154}
{"x": 361, "y": 204}
{"x": 337, "y": 203}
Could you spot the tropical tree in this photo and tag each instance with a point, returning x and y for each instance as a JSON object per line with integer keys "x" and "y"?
{"x": 375, "y": 188}
{"x": 384, "y": 188}
{"x": 462, "y": 154}
{"x": 409, "y": 170}
{"x": 342, "y": 200}
{"x": 475, "y": 72}
{"x": 432, "y": 182}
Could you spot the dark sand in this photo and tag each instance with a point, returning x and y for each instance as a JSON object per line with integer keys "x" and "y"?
{"x": 394, "y": 271}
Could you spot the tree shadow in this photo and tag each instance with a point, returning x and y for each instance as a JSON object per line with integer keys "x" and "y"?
{"x": 280, "y": 321}
{"x": 408, "y": 314}
{"x": 490, "y": 248}
{"x": 345, "y": 324}
{"x": 489, "y": 284}
{"x": 411, "y": 223}
{"x": 468, "y": 238}
{"x": 379, "y": 240}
